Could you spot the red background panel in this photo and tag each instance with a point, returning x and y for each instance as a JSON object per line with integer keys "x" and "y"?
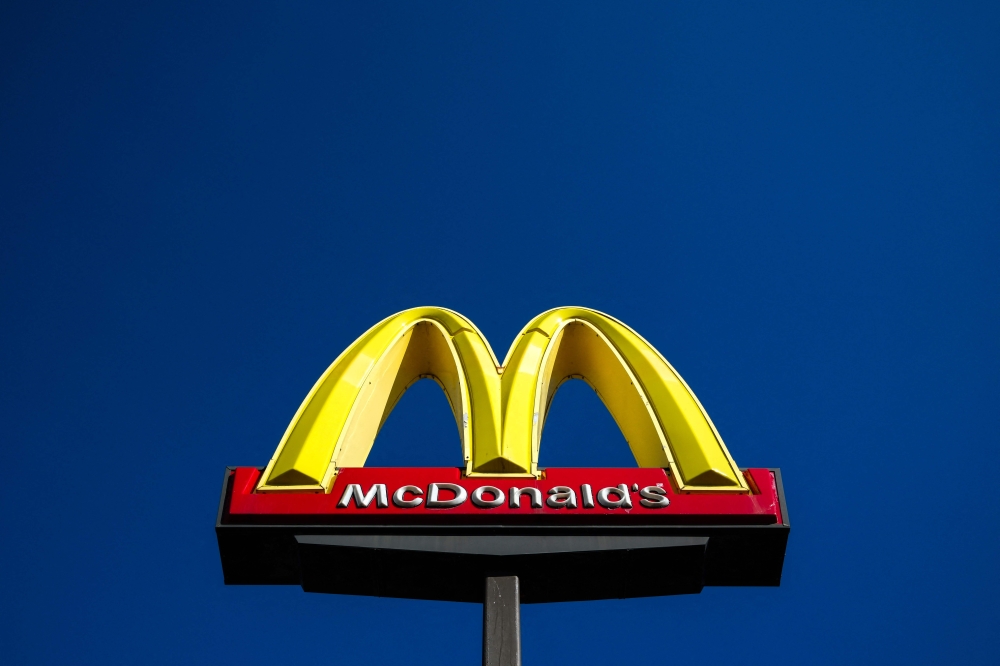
{"x": 245, "y": 506}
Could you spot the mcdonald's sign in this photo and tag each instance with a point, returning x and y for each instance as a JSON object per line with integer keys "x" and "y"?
{"x": 685, "y": 517}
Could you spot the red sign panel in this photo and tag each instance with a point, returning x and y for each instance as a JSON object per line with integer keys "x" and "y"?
{"x": 422, "y": 495}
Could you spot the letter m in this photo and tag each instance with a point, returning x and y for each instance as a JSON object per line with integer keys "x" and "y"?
{"x": 363, "y": 500}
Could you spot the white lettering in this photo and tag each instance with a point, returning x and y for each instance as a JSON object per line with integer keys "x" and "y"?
{"x": 604, "y": 497}
{"x": 490, "y": 497}
{"x": 560, "y": 497}
{"x": 479, "y": 500}
{"x": 399, "y": 497}
{"x": 434, "y": 502}
{"x": 363, "y": 500}
{"x": 515, "y": 497}
{"x": 654, "y": 497}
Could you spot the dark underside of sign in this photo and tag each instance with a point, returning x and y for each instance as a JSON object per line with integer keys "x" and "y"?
{"x": 557, "y": 556}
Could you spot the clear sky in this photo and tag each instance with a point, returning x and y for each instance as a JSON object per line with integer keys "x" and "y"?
{"x": 201, "y": 206}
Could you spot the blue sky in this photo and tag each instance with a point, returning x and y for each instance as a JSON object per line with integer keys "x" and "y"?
{"x": 202, "y": 206}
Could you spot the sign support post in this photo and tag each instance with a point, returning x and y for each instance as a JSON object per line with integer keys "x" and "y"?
{"x": 502, "y": 622}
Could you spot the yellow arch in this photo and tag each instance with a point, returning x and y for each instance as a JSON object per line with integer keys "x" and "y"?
{"x": 657, "y": 412}
{"x": 500, "y": 410}
{"x": 337, "y": 422}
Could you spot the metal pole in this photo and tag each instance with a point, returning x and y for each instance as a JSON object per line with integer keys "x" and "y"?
{"x": 502, "y": 622}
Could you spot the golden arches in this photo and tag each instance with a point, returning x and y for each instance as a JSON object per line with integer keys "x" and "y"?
{"x": 500, "y": 410}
